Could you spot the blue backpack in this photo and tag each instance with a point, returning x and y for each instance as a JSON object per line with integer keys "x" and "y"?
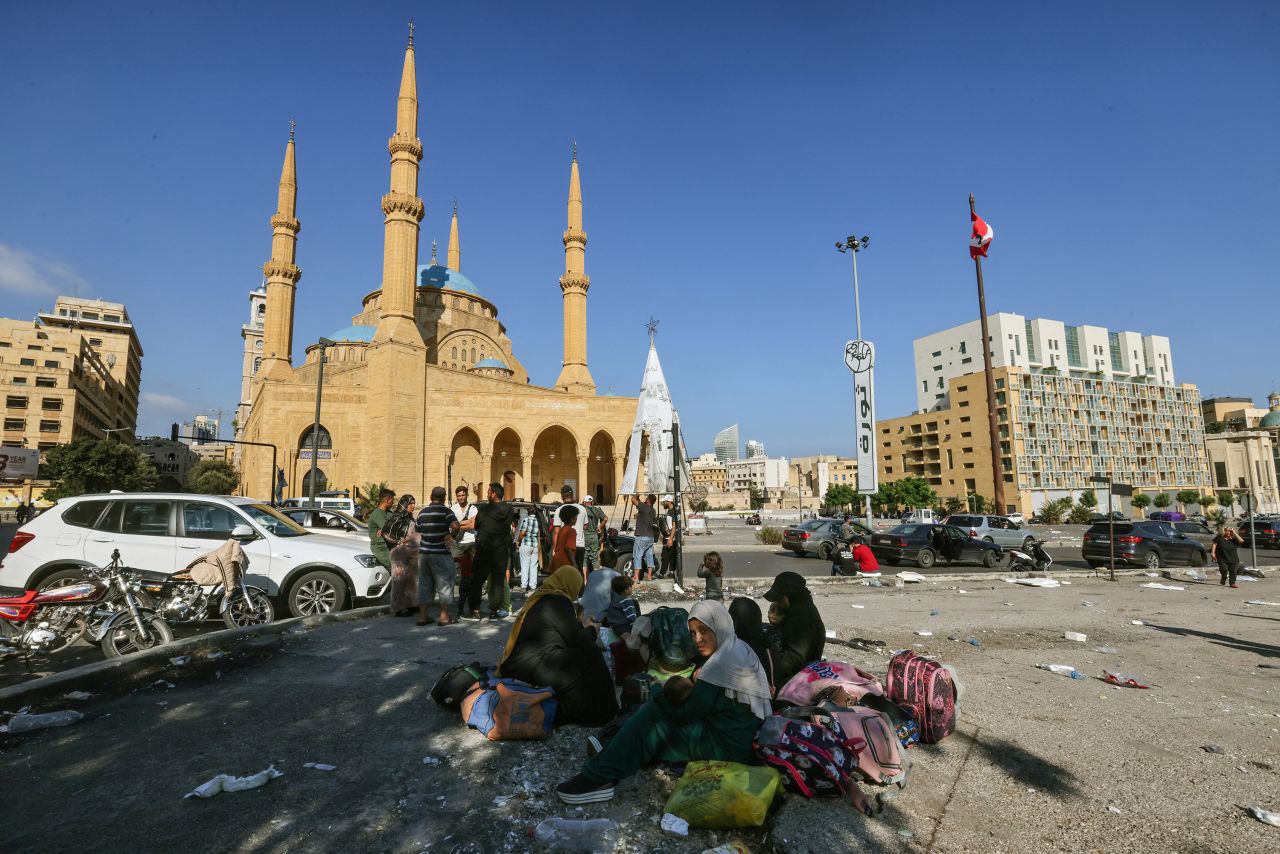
{"x": 670, "y": 644}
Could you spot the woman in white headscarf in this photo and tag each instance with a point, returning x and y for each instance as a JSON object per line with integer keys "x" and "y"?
{"x": 719, "y": 720}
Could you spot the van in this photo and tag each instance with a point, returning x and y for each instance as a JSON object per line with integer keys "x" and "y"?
{"x": 920, "y": 517}
{"x": 336, "y": 502}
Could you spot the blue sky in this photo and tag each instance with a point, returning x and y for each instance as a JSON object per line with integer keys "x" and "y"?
{"x": 1124, "y": 153}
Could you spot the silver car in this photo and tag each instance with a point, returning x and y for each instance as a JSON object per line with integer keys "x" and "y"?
{"x": 1196, "y": 531}
{"x": 993, "y": 529}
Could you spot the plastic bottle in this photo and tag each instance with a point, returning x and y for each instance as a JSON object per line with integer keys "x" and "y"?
{"x": 1063, "y": 670}
{"x": 30, "y": 723}
{"x": 569, "y": 834}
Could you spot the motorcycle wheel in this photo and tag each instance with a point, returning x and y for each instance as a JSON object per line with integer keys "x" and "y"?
{"x": 126, "y": 639}
{"x": 254, "y": 612}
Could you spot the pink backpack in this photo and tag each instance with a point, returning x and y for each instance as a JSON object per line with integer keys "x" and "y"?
{"x": 803, "y": 688}
{"x": 928, "y": 690}
{"x": 882, "y": 762}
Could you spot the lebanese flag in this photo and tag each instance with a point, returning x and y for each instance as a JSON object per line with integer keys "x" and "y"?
{"x": 982, "y": 234}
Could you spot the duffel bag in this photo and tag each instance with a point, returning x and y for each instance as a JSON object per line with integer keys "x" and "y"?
{"x": 509, "y": 710}
{"x": 803, "y": 688}
{"x": 927, "y": 689}
{"x": 456, "y": 682}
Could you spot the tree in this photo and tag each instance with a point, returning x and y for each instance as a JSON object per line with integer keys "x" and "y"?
{"x": 97, "y": 465}
{"x": 1161, "y": 501}
{"x": 1187, "y": 497}
{"x": 1207, "y": 501}
{"x": 839, "y": 495}
{"x": 976, "y": 503}
{"x": 953, "y": 504}
{"x": 1053, "y": 511}
{"x": 1080, "y": 515}
{"x": 213, "y": 477}
{"x": 1227, "y": 499}
{"x": 1141, "y": 502}
{"x": 915, "y": 492}
{"x": 367, "y": 497}
{"x": 1089, "y": 499}
{"x": 887, "y": 499}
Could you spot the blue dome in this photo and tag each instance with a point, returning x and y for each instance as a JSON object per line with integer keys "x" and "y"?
{"x": 437, "y": 276}
{"x": 490, "y": 363}
{"x": 353, "y": 333}
{"x": 1271, "y": 419}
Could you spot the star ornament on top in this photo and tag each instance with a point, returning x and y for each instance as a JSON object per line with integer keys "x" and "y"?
{"x": 859, "y": 356}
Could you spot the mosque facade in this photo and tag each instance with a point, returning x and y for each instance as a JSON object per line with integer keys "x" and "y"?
{"x": 424, "y": 388}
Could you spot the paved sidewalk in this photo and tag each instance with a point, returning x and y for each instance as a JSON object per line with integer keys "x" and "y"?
{"x": 1040, "y": 763}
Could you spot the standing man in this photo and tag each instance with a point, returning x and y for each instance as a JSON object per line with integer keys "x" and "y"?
{"x": 1226, "y": 552}
{"x": 646, "y": 529}
{"x": 670, "y": 538}
{"x": 566, "y": 499}
{"x": 593, "y": 533}
{"x": 436, "y": 569}
{"x": 527, "y": 536}
{"x": 378, "y": 543}
{"x": 464, "y": 548}
{"x": 494, "y": 522}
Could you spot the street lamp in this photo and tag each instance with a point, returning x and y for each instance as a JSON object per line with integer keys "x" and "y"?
{"x": 853, "y": 245}
{"x": 315, "y": 425}
{"x": 108, "y": 431}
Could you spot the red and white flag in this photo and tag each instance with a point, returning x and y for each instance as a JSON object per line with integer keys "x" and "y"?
{"x": 982, "y": 234}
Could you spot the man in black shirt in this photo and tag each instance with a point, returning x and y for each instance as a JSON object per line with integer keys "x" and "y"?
{"x": 493, "y": 525}
{"x": 1226, "y": 553}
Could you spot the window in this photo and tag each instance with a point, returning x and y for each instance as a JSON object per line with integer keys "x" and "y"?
{"x": 34, "y": 347}
{"x": 89, "y": 315}
{"x": 42, "y": 382}
{"x": 925, "y": 383}
{"x": 454, "y": 353}
{"x": 44, "y": 446}
{"x": 51, "y": 363}
{"x": 93, "y": 342}
{"x": 16, "y": 401}
{"x": 148, "y": 518}
{"x": 257, "y": 363}
{"x": 28, "y": 362}
{"x": 323, "y": 440}
{"x": 262, "y": 309}
{"x": 51, "y": 404}
{"x": 207, "y": 521}
{"x": 50, "y": 426}
{"x": 963, "y": 347}
{"x": 14, "y": 424}
{"x": 113, "y": 318}
{"x": 84, "y": 513}
{"x": 1220, "y": 474}
{"x": 20, "y": 380}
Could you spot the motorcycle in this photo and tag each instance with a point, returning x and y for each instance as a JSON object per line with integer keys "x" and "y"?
{"x": 182, "y": 600}
{"x": 1037, "y": 560}
{"x": 105, "y": 606}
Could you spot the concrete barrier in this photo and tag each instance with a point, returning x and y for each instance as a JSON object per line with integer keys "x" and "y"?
{"x": 206, "y": 652}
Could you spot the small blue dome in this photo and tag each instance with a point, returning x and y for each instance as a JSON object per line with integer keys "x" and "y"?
{"x": 490, "y": 363}
{"x": 1271, "y": 419}
{"x": 354, "y": 333}
{"x": 437, "y": 276}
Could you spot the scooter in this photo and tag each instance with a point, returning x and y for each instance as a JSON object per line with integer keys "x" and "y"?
{"x": 1037, "y": 561}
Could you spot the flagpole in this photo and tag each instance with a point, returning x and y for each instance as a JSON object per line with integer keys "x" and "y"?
{"x": 997, "y": 469}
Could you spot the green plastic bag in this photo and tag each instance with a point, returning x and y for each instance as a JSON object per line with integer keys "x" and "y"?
{"x": 719, "y": 795}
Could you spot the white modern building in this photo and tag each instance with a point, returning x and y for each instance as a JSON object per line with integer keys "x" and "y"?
{"x": 755, "y": 449}
{"x": 726, "y": 444}
{"x": 1038, "y": 346}
{"x": 757, "y": 472}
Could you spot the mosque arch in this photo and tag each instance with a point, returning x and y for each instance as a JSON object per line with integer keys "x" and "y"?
{"x": 555, "y": 461}
{"x": 464, "y": 461}
{"x": 322, "y": 481}
{"x": 323, "y": 439}
{"x": 600, "y": 469}
{"x": 506, "y": 466}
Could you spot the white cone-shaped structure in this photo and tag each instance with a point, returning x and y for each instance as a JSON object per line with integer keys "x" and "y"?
{"x": 655, "y": 413}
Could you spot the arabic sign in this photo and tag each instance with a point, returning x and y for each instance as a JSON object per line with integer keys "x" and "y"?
{"x": 860, "y": 357}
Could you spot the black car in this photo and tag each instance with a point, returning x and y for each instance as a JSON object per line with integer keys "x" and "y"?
{"x": 927, "y": 545}
{"x": 817, "y": 537}
{"x": 1266, "y": 530}
{"x": 1145, "y": 543}
{"x": 1102, "y": 518}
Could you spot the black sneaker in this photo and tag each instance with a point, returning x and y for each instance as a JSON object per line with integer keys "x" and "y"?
{"x": 581, "y": 790}
{"x": 474, "y": 616}
{"x": 594, "y": 747}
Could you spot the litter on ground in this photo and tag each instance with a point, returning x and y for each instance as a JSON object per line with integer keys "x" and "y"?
{"x": 319, "y": 766}
{"x": 1264, "y": 816}
{"x": 77, "y": 695}
{"x": 1111, "y": 677}
{"x": 1034, "y": 582}
{"x": 227, "y": 783}
{"x": 21, "y": 723}
{"x": 1153, "y": 585}
{"x": 1261, "y": 602}
{"x": 1076, "y": 636}
{"x": 911, "y": 577}
{"x": 924, "y": 633}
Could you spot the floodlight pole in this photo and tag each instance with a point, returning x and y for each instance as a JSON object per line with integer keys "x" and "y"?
{"x": 853, "y": 245}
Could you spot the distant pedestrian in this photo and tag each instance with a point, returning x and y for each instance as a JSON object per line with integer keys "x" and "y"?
{"x": 593, "y": 533}
{"x": 379, "y": 542}
{"x": 494, "y": 523}
{"x": 404, "y": 562}
{"x": 464, "y": 545}
{"x": 712, "y": 570}
{"x": 565, "y": 546}
{"x": 1227, "y": 554}
{"x": 527, "y": 536}
{"x": 645, "y": 531}
{"x": 580, "y": 551}
{"x": 21, "y": 512}
{"x": 670, "y": 528}
{"x": 436, "y": 567}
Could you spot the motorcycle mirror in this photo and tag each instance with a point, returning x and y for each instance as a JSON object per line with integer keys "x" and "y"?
{"x": 243, "y": 532}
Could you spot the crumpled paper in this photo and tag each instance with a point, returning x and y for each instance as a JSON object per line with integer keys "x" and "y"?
{"x": 227, "y": 783}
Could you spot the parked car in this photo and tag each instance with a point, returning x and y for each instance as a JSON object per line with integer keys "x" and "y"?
{"x": 926, "y": 545}
{"x": 1103, "y": 518}
{"x": 328, "y": 522}
{"x": 1266, "y": 530}
{"x": 1146, "y": 543}
{"x": 1196, "y": 531}
{"x": 1016, "y": 518}
{"x": 1167, "y": 516}
{"x": 163, "y": 532}
{"x": 993, "y": 529}
{"x": 817, "y": 537}
{"x": 326, "y": 500}
{"x": 920, "y": 517}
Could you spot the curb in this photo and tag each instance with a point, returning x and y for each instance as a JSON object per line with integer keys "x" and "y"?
{"x": 117, "y": 676}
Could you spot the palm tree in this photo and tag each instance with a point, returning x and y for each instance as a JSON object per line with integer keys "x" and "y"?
{"x": 367, "y": 497}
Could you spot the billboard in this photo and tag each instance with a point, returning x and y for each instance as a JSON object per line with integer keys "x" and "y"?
{"x": 18, "y": 463}
{"x": 860, "y": 357}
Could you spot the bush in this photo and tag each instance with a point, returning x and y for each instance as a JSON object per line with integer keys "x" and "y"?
{"x": 1052, "y": 512}
{"x": 1080, "y": 515}
{"x": 769, "y": 536}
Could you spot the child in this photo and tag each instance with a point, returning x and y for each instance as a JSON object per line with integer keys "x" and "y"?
{"x": 623, "y": 610}
{"x": 776, "y": 612}
{"x": 677, "y": 690}
{"x": 712, "y": 569}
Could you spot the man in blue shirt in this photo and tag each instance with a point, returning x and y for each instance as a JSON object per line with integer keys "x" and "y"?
{"x": 436, "y": 524}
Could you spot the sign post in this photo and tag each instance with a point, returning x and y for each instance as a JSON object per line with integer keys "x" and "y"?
{"x": 860, "y": 358}
{"x": 1113, "y": 489}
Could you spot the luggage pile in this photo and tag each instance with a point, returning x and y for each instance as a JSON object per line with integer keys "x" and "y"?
{"x": 837, "y": 727}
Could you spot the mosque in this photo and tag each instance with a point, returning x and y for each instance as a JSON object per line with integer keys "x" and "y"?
{"x": 423, "y": 388}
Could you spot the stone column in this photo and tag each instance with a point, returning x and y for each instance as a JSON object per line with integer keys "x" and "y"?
{"x": 486, "y": 463}
{"x": 526, "y": 472}
{"x": 583, "y": 487}
{"x": 619, "y": 464}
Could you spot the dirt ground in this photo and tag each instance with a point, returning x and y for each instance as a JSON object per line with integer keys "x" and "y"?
{"x": 1040, "y": 762}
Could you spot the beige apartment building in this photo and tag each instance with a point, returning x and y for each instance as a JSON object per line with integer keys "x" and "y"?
{"x": 709, "y": 473}
{"x": 1056, "y": 433}
{"x": 1243, "y": 443}
{"x": 813, "y": 474}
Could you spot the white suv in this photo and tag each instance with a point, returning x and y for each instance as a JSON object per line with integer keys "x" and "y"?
{"x": 315, "y": 573}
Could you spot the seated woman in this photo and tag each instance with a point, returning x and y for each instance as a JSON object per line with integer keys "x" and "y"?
{"x": 801, "y": 636}
{"x": 718, "y": 720}
{"x": 549, "y": 648}
{"x": 748, "y": 625}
